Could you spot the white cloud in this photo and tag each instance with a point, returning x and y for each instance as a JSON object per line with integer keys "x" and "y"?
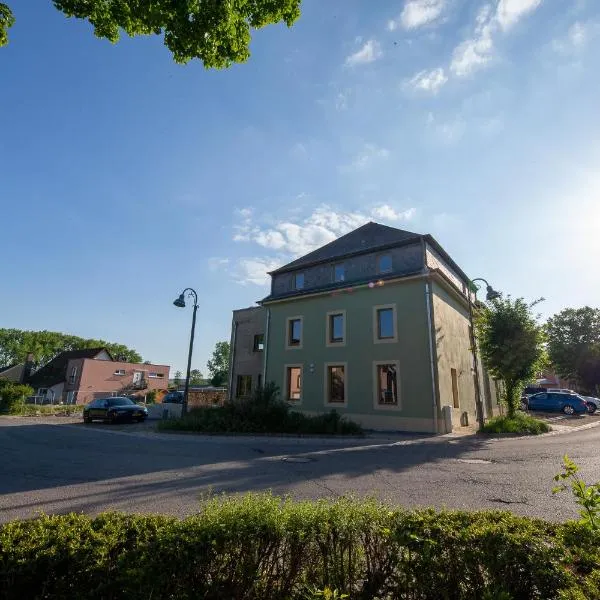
{"x": 216, "y": 263}
{"x": 255, "y": 270}
{"x": 429, "y": 81}
{"x": 296, "y": 237}
{"x": 509, "y": 12}
{"x": 369, "y": 155}
{"x": 417, "y": 13}
{"x": 369, "y": 52}
{"x": 446, "y": 132}
{"x": 577, "y": 37}
{"x": 477, "y": 51}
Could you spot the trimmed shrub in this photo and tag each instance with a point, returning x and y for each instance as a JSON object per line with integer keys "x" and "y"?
{"x": 261, "y": 547}
{"x": 39, "y": 410}
{"x": 12, "y": 396}
{"x": 263, "y": 412}
{"x": 520, "y": 423}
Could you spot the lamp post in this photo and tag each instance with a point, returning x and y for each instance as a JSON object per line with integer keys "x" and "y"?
{"x": 180, "y": 303}
{"x": 491, "y": 294}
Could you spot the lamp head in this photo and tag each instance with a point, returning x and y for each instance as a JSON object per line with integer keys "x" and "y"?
{"x": 492, "y": 294}
{"x": 180, "y": 302}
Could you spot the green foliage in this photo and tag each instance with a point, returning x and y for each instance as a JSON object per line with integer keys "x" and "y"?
{"x": 586, "y": 496}
{"x": 511, "y": 345}
{"x": 574, "y": 345}
{"x": 7, "y": 20}
{"x": 218, "y": 365}
{"x": 262, "y": 547}
{"x": 217, "y": 32}
{"x": 196, "y": 377}
{"x": 15, "y": 344}
{"x": 264, "y": 412}
{"x": 12, "y": 396}
{"x": 151, "y": 397}
{"x": 519, "y": 423}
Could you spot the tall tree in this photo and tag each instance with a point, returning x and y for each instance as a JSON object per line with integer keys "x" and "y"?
{"x": 511, "y": 344}
{"x": 218, "y": 32}
{"x": 218, "y": 365}
{"x": 574, "y": 345}
{"x": 15, "y": 344}
{"x": 196, "y": 377}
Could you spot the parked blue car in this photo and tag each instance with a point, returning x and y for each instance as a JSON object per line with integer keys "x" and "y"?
{"x": 570, "y": 404}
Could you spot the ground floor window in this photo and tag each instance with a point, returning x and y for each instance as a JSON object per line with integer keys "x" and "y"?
{"x": 386, "y": 383}
{"x": 244, "y": 386}
{"x": 293, "y": 383}
{"x": 336, "y": 384}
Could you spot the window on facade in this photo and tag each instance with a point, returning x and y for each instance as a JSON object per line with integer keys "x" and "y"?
{"x": 339, "y": 272}
{"x": 336, "y": 384}
{"x": 299, "y": 281}
{"x": 156, "y": 375}
{"x": 244, "y": 386}
{"x": 294, "y": 332}
{"x": 259, "y": 342}
{"x": 73, "y": 375}
{"x": 294, "y": 383}
{"x": 120, "y": 372}
{"x": 385, "y": 323}
{"x": 387, "y": 384}
{"x": 385, "y": 263}
{"x": 336, "y": 328}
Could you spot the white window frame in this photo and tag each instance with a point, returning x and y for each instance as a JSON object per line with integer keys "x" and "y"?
{"x": 335, "y": 266}
{"x": 380, "y": 271}
{"x": 376, "y": 338}
{"x": 295, "y": 281}
{"x": 286, "y": 367}
{"x": 154, "y": 375}
{"x": 120, "y": 372}
{"x": 287, "y": 333}
{"x": 376, "y": 404}
{"x": 326, "y": 400}
{"x": 328, "y": 330}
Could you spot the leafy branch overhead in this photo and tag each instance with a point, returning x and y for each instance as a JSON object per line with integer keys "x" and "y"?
{"x": 218, "y": 32}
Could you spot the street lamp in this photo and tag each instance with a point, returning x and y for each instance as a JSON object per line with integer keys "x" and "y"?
{"x": 180, "y": 303}
{"x": 491, "y": 294}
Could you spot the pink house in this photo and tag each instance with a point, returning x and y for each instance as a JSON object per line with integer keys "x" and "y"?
{"x": 80, "y": 376}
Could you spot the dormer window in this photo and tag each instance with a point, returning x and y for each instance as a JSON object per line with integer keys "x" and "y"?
{"x": 339, "y": 272}
{"x": 299, "y": 281}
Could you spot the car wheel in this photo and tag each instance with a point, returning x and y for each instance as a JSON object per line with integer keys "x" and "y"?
{"x": 112, "y": 418}
{"x": 592, "y": 408}
{"x": 87, "y": 419}
{"x": 568, "y": 409}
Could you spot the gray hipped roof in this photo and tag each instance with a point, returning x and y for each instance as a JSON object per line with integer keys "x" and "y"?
{"x": 368, "y": 237}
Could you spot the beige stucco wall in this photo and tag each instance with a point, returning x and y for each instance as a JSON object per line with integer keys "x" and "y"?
{"x": 453, "y": 349}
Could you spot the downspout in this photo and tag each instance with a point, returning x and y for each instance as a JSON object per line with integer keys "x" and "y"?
{"x": 266, "y": 348}
{"x": 234, "y": 326}
{"x": 431, "y": 355}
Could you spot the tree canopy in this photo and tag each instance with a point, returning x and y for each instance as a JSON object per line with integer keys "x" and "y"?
{"x": 574, "y": 345}
{"x": 511, "y": 344}
{"x": 15, "y": 344}
{"x": 218, "y": 365}
{"x": 218, "y": 32}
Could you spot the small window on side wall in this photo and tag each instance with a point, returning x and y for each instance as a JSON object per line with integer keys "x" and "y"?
{"x": 384, "y": 263}
{"x": 244, "y": 386}
{"x": 385, "y": 323}
{"x": 299, "y": 281}
{"x": 339, "y": 272}
{"x": 387, "y": 384}
{"x": 294, "y": 333}
{"x": 293, "y": 383}
{"x": 259, "y": 342}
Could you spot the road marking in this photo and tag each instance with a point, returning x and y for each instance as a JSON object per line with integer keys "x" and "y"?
{"x": 474, "y": 461}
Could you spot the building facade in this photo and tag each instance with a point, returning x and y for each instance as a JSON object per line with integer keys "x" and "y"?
{"x": 375, "y": 325}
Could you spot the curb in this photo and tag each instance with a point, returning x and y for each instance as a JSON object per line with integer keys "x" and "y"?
{"x": 564, "y": 429}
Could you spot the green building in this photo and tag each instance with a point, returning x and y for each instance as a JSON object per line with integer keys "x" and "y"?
{"x": 374, "y": 325}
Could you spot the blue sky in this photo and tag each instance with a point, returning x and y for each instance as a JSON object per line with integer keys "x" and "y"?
{"x": 125, "y": 177}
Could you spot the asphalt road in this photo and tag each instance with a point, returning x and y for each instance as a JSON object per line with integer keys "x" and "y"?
{"x": 53, "y": 466}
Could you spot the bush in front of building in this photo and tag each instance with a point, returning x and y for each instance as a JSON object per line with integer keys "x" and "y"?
{"x": 263, "y": 547}
{"x": 519, "y": 423}
{"x": 12, "y": 396}
{"x": 263, "y": 412}
{"x": 62, "y": 410}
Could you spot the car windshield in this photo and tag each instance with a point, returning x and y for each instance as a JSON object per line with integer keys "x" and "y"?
{"x": 120, "y": 402}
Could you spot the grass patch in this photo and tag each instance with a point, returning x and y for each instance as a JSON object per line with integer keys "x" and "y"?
{"x": 63, "y": 410}
{"x": 520, "y": 423}
{"x": 264, "y": 412}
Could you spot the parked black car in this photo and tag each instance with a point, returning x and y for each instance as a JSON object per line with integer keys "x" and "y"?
{"x": 173, "y": 398}
{"x": 117, "y": 408}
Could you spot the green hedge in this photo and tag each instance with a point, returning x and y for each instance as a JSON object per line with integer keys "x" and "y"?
{"x": 263, "y": 548}
{"x": 520, "y": 423}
